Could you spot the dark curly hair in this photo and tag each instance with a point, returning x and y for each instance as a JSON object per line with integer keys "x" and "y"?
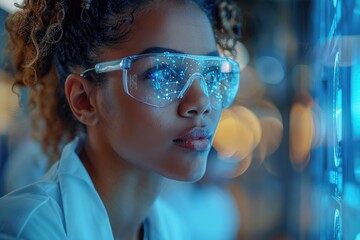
{"x": 51, "y": 38}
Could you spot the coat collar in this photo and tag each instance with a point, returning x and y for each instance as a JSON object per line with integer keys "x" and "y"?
{"x": 84, "y": 212}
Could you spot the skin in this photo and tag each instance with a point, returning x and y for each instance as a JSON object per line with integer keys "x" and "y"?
{"x": 129, "y": 147}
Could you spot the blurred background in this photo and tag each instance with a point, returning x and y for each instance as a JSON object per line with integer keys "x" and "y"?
{"x": 286, "y": 157}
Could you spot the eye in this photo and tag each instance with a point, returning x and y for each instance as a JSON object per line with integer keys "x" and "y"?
{"x": 164, "y": 79}
{"x": 212, "y": 75}
{"x": 161, "y": 74}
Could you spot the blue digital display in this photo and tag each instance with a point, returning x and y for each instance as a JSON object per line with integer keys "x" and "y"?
{"x": 355, "y": 95}
{"x": 336, "y": 31}
{"x": 355, "y": 111}
{"x": 337, "y": 111}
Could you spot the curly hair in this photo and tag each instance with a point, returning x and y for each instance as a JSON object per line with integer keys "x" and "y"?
{"x": 51, "y": 38}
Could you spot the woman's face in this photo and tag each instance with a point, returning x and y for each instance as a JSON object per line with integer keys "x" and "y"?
{"x": 173, "y": 141}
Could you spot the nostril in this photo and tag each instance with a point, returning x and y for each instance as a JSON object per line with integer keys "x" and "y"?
{"x": 194, "y": 105}
{"x": 198, "y": 111}
{"x": 192, "y": 112}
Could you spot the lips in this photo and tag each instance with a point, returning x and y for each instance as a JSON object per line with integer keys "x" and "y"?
{"x": 198, "y": 139}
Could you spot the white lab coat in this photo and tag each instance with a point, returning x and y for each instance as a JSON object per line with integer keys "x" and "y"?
{"x": 65, "y": 205}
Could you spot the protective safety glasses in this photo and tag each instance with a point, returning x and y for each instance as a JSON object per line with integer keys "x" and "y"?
{"x": 158, "y": 79}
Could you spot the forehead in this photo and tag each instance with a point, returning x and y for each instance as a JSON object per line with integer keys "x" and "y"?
{"x": 180, "y": 26}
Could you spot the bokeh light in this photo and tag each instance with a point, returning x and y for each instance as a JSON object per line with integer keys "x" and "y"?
{"x": 226, "y": 135}
{"x": 251, "y": 87}
{"x": 272, "y": 131}
{"x": 302, "y": 130}
{"x": 301, "y": 75}
{"x": 243, "y": 165}
{"x": 249, "y": 129}
{"x": 319, "y": 126}
{"x": 8, "y": 103}
{"x": 301, "y": 134}
{"x": 238, "y": 133}
{"x": 270, "y": 69}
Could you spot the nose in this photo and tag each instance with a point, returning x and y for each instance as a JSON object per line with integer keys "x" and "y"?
{"x": 195, "y": 99}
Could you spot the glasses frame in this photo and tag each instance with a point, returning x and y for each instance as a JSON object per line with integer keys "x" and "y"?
{"x": 124, "y": 64}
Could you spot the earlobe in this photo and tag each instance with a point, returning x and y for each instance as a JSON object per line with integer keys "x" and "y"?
{"x": 80, "y": 93}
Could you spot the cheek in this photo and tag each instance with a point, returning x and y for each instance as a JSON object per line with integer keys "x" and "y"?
{"x": 142, "y": 138}
{"x": 145, "y": 127}
{"x": 130, "y": 125}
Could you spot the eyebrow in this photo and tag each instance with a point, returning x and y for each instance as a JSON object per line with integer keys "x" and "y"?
{"x": 162, "y": 50}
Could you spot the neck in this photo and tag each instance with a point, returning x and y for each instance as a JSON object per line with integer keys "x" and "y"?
{"x": 127, "y": 191}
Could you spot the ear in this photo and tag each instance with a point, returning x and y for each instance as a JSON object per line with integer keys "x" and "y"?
{"x": 80, "y": 95}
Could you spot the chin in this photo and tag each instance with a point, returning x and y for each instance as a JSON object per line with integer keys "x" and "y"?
{"x": 195, "y": 178}
{"x": 190, "y": 179}
{"x": 189, "y": 175}
{"x": 186, "y": 168}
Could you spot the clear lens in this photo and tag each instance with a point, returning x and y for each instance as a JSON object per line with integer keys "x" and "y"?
{"x": 160, "y": 79}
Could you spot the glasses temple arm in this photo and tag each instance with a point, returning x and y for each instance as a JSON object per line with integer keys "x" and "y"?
{"x": 110, "y": 66}
{"x": 86, "y": 72}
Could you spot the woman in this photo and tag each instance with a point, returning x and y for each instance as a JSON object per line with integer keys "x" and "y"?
{"x": 139, "y": 87}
